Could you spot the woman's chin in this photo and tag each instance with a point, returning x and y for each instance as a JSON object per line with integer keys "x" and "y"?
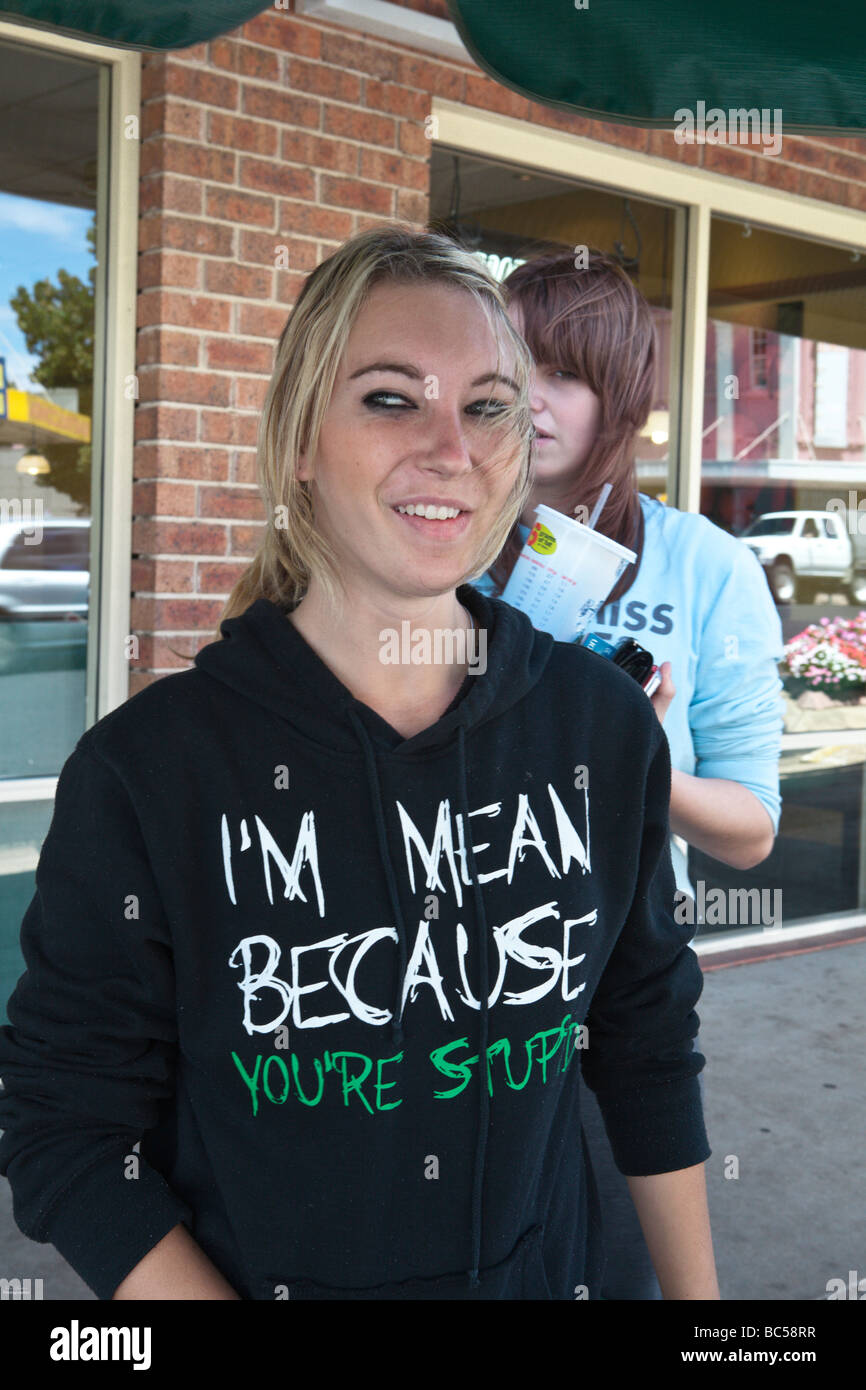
{"x": 549, "y": 470}
{"x": 427, "y": 581}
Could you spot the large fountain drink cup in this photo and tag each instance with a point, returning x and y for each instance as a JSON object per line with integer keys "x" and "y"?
{"x": 564, "y": 574}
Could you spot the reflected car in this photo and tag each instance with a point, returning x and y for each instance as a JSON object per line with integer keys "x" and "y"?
{"x": 802, "y": 552}
{"x": 44, "y": 591}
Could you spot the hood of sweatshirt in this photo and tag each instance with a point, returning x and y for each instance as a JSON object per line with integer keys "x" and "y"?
{"x": 263, "y": 657}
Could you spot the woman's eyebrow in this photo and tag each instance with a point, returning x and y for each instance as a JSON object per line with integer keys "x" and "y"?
{"x": 409, "y": 369}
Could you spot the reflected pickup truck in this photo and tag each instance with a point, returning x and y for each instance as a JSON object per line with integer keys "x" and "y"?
{"x": 803, "y": 552}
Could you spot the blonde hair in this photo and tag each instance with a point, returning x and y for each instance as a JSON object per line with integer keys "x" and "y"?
{"x": 308, "y": 358}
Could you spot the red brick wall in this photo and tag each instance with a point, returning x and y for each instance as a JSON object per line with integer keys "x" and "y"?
{"x": 292, "y": 133}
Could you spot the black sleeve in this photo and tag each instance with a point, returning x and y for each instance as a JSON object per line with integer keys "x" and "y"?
{"x": 91, "y": 1049}
{"x": 640, "y": 1058}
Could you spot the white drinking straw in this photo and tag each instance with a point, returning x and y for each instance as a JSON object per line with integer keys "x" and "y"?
{"x": 602, "y": 498}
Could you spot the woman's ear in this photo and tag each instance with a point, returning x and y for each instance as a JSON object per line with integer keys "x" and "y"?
{"x": 303, "y": 469}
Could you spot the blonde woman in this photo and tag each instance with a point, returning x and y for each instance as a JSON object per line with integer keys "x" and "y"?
{"x": 290, "y": 897}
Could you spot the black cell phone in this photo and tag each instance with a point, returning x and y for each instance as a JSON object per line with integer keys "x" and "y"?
{"x": 633, "y": 658}
{"x": 638, "y": 662}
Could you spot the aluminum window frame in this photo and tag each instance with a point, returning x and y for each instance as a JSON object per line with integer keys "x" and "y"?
{"x": 117, "y": 209}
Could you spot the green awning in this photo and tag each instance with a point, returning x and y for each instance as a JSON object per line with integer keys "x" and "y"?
{"x": 156, "y": 24}
{"x": 642, "y": 61}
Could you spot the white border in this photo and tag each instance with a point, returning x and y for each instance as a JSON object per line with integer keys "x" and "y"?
{"x": 18, "y": 789}
{"x": 119, "y": 412}
{"x": 721, "y": 942}
{"x": 393, "y": 22}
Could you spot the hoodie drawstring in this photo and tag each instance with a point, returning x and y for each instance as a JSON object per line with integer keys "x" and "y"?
{"x": 390, "y": 876}
{"x": 483, "y": 947}
{"x": 483, "y": 1092}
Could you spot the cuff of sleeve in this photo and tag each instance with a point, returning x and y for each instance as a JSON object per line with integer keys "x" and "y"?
{"x": 105, "y": 1223}
{"x": 657, "y": 1129}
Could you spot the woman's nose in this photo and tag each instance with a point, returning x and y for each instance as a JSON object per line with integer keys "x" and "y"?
{"x": 449, "y": 447}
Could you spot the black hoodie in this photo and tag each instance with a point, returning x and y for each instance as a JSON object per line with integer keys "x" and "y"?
{"x": 262, "y": 926}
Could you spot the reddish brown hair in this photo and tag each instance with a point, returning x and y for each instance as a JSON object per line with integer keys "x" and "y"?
{"x": 594, "y": 322}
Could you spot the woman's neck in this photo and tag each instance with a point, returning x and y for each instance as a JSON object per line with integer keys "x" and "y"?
{"x": 404, "y": 658}
{"x": 551, "y": 495}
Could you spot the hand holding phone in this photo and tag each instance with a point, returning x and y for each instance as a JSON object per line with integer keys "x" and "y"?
{"x": 664, "y": 692}
{"x": 632, "y": 657}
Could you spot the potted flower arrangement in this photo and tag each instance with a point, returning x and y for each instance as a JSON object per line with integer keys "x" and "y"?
{"x": 828, "y": 656}
{"x": 824, "y": 668}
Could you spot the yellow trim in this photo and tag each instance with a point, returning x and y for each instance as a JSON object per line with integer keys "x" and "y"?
{"x": 49, "y": 421}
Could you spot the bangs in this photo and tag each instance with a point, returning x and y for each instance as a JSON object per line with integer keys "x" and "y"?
{"x": 579, "y": 319}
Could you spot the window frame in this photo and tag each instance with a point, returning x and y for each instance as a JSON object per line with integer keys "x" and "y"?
{"x": 117, "y": 209}
{"x": 701, "y": 194}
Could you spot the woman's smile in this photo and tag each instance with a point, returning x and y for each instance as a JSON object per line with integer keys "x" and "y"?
{"x": 438, "y": 521}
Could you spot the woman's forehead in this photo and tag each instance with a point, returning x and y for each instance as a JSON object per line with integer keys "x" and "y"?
{"x": 413, "y": 324}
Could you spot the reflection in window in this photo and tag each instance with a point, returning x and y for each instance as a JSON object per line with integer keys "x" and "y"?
{"x": 784, "y": 469}
{"x": 758, "y": 359}
{"x": 47, "y": 285}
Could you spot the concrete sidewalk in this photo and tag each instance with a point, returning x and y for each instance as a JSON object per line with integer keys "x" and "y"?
{"x": 785, "y": 1097}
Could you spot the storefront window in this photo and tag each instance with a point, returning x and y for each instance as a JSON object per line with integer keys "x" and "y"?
{"x": 784, "y": 469}
{"x": 48, "y": 201}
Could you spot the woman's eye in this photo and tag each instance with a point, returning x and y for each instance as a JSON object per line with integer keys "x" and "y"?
{"x": 392, "y": 400}
{"x": 561, "y": 371}
{"x": 377, "y": 400}
{"x": 489, "y": 408}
